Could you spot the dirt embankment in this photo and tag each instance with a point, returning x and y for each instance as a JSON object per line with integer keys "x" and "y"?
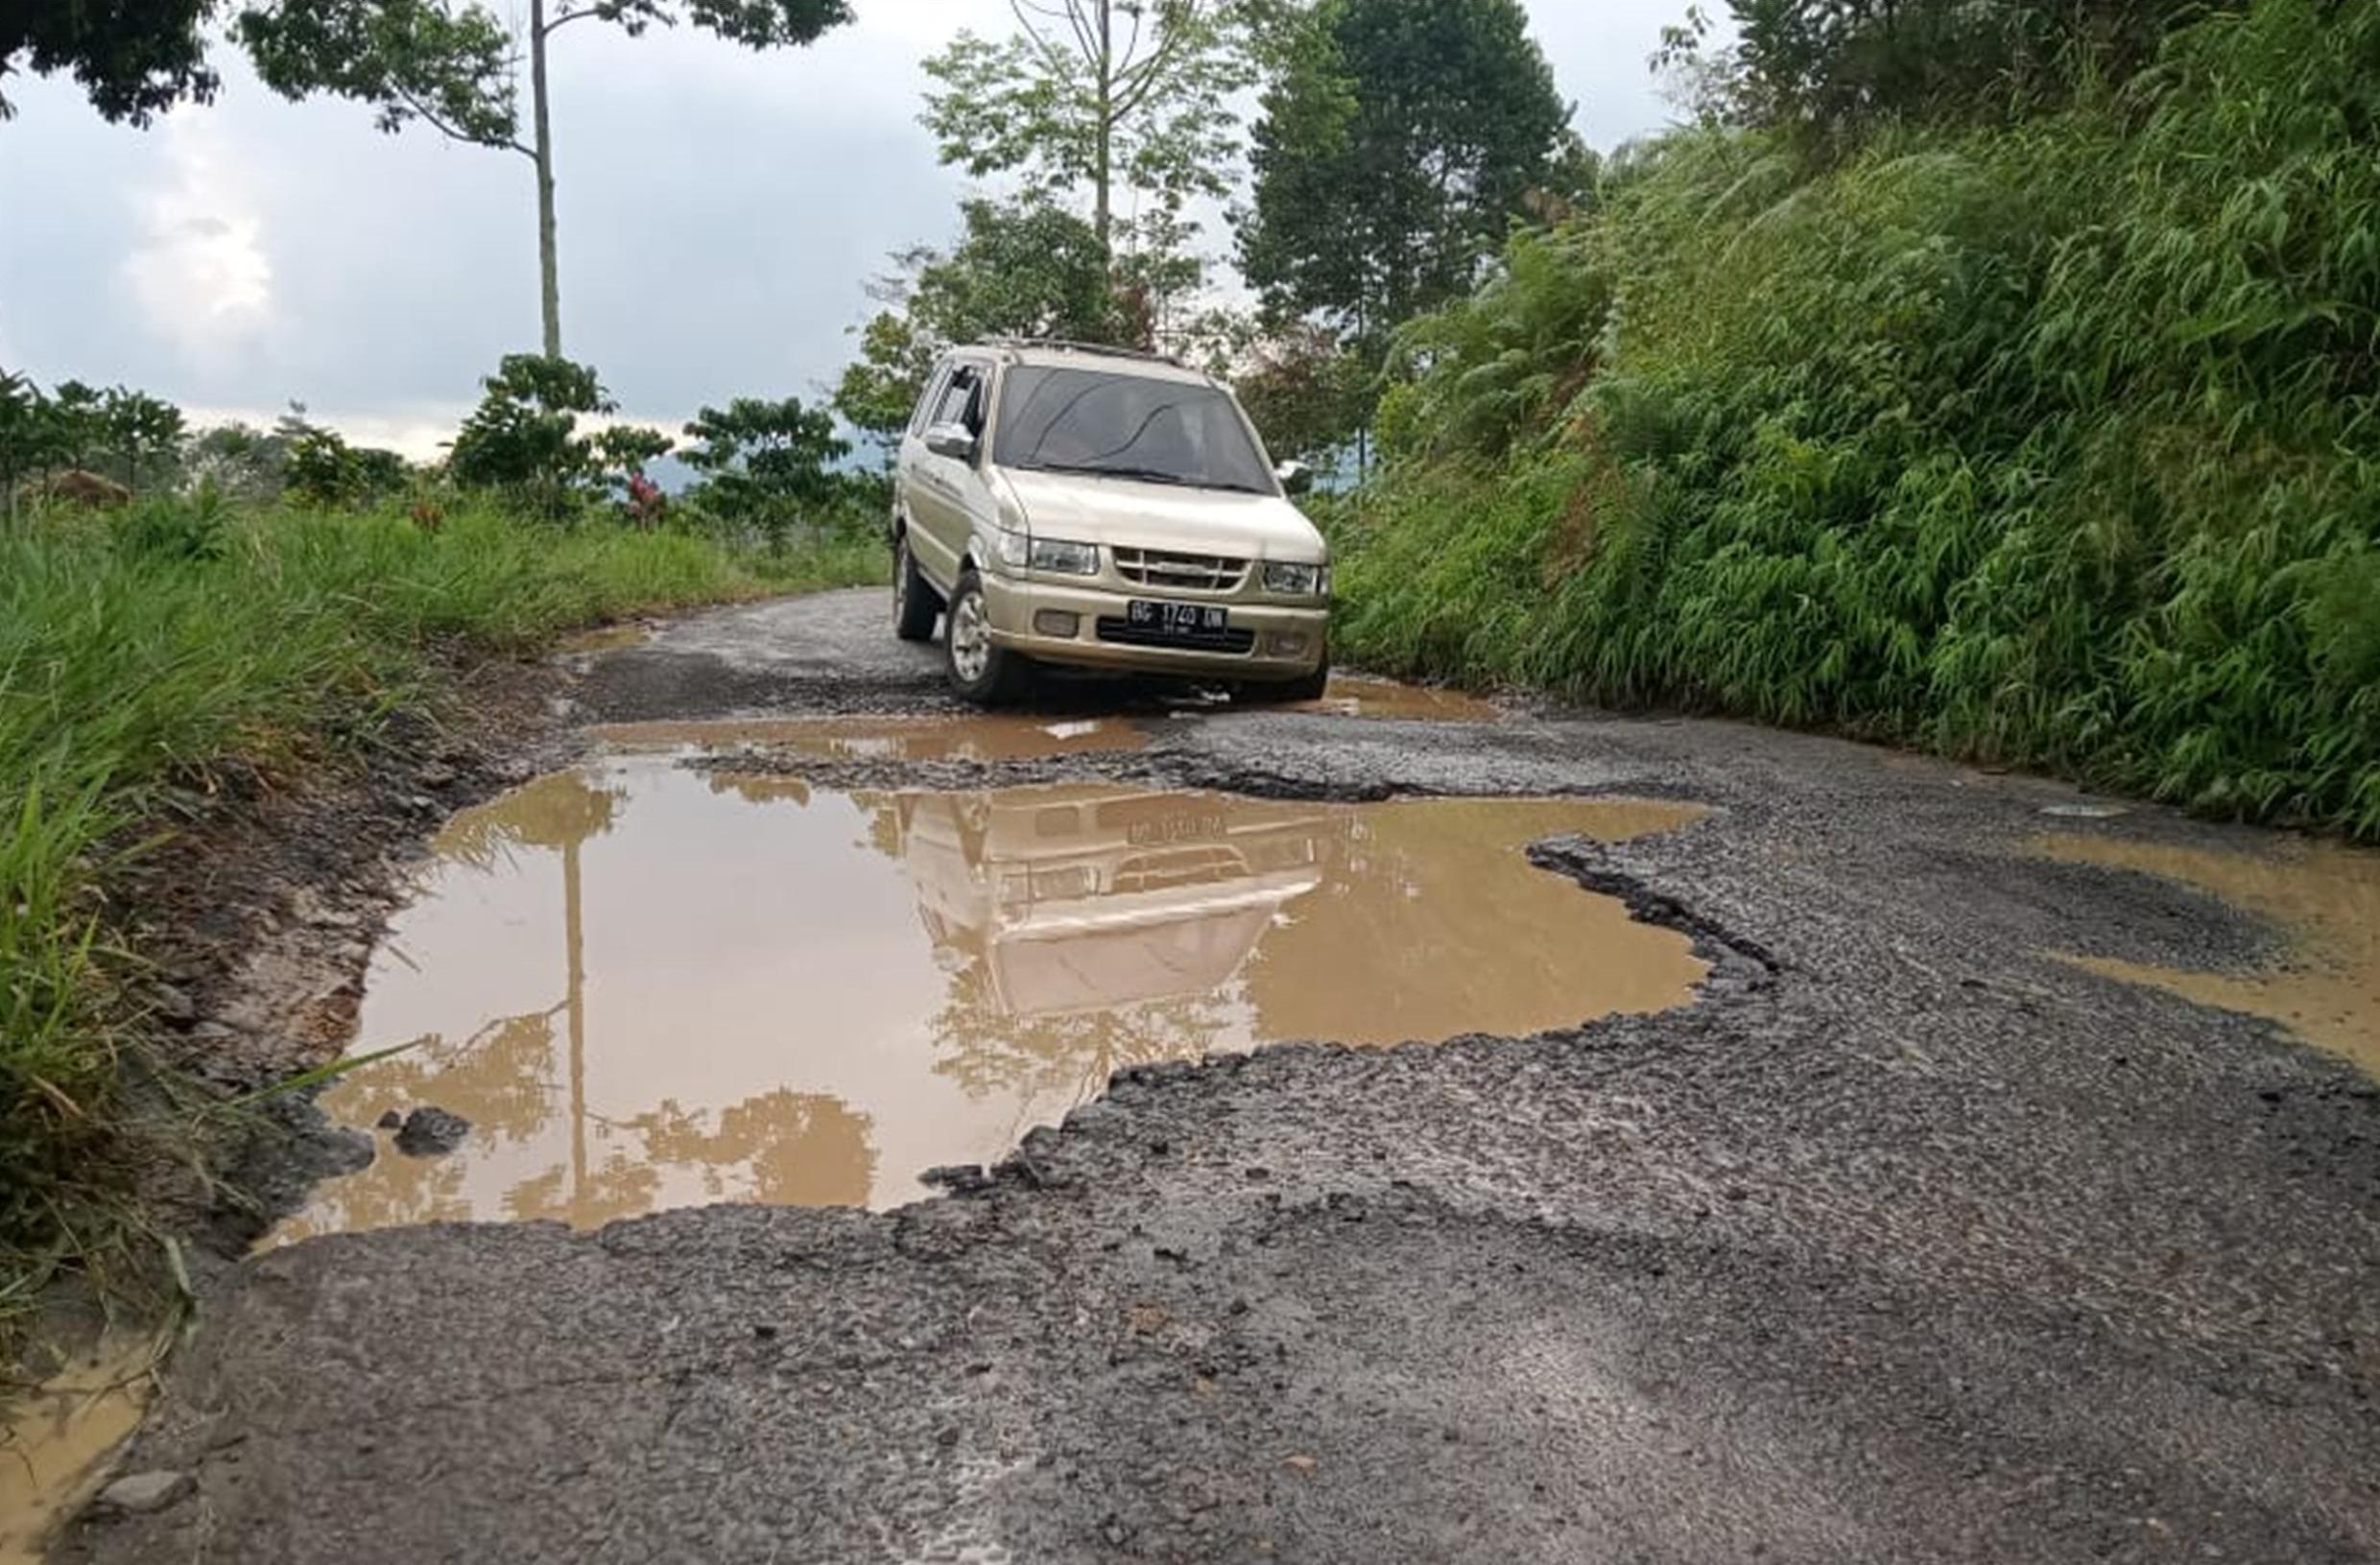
{"x": 258, "y": 908}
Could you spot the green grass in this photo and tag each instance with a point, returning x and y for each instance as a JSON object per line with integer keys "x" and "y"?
{"x": 2056, "y": 443}
{"x": 139, "y": 650}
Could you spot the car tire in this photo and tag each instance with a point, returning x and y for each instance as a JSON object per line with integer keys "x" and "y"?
{"x": 1307, "y": 687}
{"x": 982, "y": 672}
{"x": 916, "y": 604}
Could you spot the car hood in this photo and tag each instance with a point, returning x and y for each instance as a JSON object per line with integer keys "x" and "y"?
{"x": 1114, "y": 510}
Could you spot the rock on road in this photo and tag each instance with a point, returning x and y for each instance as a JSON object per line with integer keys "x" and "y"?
{"x": 1907, "y": 1241}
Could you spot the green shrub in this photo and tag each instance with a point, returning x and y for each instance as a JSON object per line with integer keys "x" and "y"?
{"x": 2053, "y": 444}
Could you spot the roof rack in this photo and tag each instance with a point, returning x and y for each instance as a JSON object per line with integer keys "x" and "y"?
{"x": 1103, "y": 350}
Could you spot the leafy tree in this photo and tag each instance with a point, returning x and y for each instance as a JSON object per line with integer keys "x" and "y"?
{"x": 1398, "y": 139}
{"x": 317, "y": 471}
{"x": 380, "y": 472}
{"x": 322, "y": 468}
{"x": 78, "y": 423}
{"x": 1105, "y": 97}
{"x": 24, "y": 435}
{"x": 1023, "y": 269}
{"x": 139, "y": 428}
{"x": 625, "y": 450}
{"x": 240, "y": 460}
{"x": 1837, "y": 67}
{"x": 135, "y": 59}
{"x": 765, "y": 464}
{"x": 1026, "y": 269}
{"x": 523, "y": 436}
{"x": 878, "y": 390}
{"x": 452, "y": 65}
{"x": 1305, "y": 393}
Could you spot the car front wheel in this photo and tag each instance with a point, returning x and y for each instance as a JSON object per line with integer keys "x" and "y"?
{"x": 915, "y": 603}
{"x": 981, "y": 671}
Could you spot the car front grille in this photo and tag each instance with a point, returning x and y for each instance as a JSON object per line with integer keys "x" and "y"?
{"x": 1125, "y": 633}
{"x": 1172, "y": 572}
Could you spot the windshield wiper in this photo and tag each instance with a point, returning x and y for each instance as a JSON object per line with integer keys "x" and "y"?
{"x": 1144, "y": 475}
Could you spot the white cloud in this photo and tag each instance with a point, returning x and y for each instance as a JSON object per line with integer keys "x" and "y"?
{"x": 198, "y": 270}
{"x": 722, "y": 213}
{"x": 419, "y": 433}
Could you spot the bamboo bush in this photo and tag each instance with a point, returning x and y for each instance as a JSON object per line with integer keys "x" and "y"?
{"x": 2051, "y": 443}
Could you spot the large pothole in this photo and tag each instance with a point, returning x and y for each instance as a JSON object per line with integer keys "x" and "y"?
{"x": 648, "y": 985}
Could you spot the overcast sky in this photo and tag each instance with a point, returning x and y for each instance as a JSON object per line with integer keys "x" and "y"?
{"x": 720, "y": 214}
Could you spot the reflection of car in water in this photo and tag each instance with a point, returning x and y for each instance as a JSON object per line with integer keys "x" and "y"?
{"x": 1081, "y": 897}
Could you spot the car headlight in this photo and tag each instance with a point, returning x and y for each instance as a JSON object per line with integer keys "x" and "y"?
{"x": 1066, "y": 559}
{"x": 1297, "y": 581}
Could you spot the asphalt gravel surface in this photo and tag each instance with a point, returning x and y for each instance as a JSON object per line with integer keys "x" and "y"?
{"x": 1908, "y": 1241}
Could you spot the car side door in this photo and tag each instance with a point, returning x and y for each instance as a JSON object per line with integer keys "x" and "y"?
{"x": 915, "y": 479}
{"x": 939, "y": 498}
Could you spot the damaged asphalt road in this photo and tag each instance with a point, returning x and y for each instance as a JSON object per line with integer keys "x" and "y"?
{"x": 1906, "y": 1241}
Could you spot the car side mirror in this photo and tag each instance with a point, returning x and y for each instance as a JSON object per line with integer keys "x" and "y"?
{"x": 950, "y": 441}
{"x": 1295, "y": 477}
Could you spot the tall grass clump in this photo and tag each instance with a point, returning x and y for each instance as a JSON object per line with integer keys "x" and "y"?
{"x": 2052, "y": 442}
{"x": 142, "y": 649}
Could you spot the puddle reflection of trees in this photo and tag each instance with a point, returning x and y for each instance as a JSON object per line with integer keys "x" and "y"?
{"x": 780, "y": 1146}
{"x": 1078, "y": 930}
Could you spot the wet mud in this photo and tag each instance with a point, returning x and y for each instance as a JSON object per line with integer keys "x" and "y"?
{"x": 58, "y": 1437}
{"x": 1356, "y": 696}
{"x": 2325, "y": 900}
{"x": 650, "y": 987}
{"x": 609, "y": 638}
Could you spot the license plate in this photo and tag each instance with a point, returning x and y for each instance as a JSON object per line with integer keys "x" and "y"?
{"x": 1174, "y": 828}
{"x": 1177, "y": 619}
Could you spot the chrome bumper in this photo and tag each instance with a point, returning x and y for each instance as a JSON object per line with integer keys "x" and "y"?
{"x": 1283, "y": 641}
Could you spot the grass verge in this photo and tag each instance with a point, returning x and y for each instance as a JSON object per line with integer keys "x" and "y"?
{"x": 140, "y": 649}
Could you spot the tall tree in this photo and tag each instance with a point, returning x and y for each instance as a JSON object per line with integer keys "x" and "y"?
{"x": 1398, "y": 139}
{"x": 1022, "y": 269}
{"x": 141, "y": 431}
{"x": 135, "y": 59}
{"x": 453, "y": 65}
{"x": 524, "y": 435}
{"x": 1839, "y": 66}
{"x": 1096, "y": 98}
{"x": 768, "y": 464}
{"x": 78, "y": 423}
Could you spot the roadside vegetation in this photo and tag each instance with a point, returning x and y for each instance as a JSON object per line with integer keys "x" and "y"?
{"x": 2032, "y": 420}
{"x": 267, "y": 600}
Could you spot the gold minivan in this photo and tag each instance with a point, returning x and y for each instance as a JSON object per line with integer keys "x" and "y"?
{"x": 1099, "y": 508}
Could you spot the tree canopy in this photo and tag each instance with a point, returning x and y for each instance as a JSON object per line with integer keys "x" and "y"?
{"x": 453, "y": 65}
{"x": 765, "y": 462}
{"x": 1838, "y": 68}
{"x": 1020, "y": 269}
{"x": 1398, "y": 141}
{"x": 133, "y": 59}
{"x": 523, "y": 436}
{"x": 1096, "y": 98}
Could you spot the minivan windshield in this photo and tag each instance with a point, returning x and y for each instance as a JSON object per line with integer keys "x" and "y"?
{"x": 1063, "y": 420}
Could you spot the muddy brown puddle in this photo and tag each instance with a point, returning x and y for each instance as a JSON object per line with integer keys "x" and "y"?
{"x": 2325, "y": 898}
{"x": 982, "y": 738}
{"x": 57, "y": 1434}
{"x": 650, "y": 986}
{"x": 1360, "y": 695}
